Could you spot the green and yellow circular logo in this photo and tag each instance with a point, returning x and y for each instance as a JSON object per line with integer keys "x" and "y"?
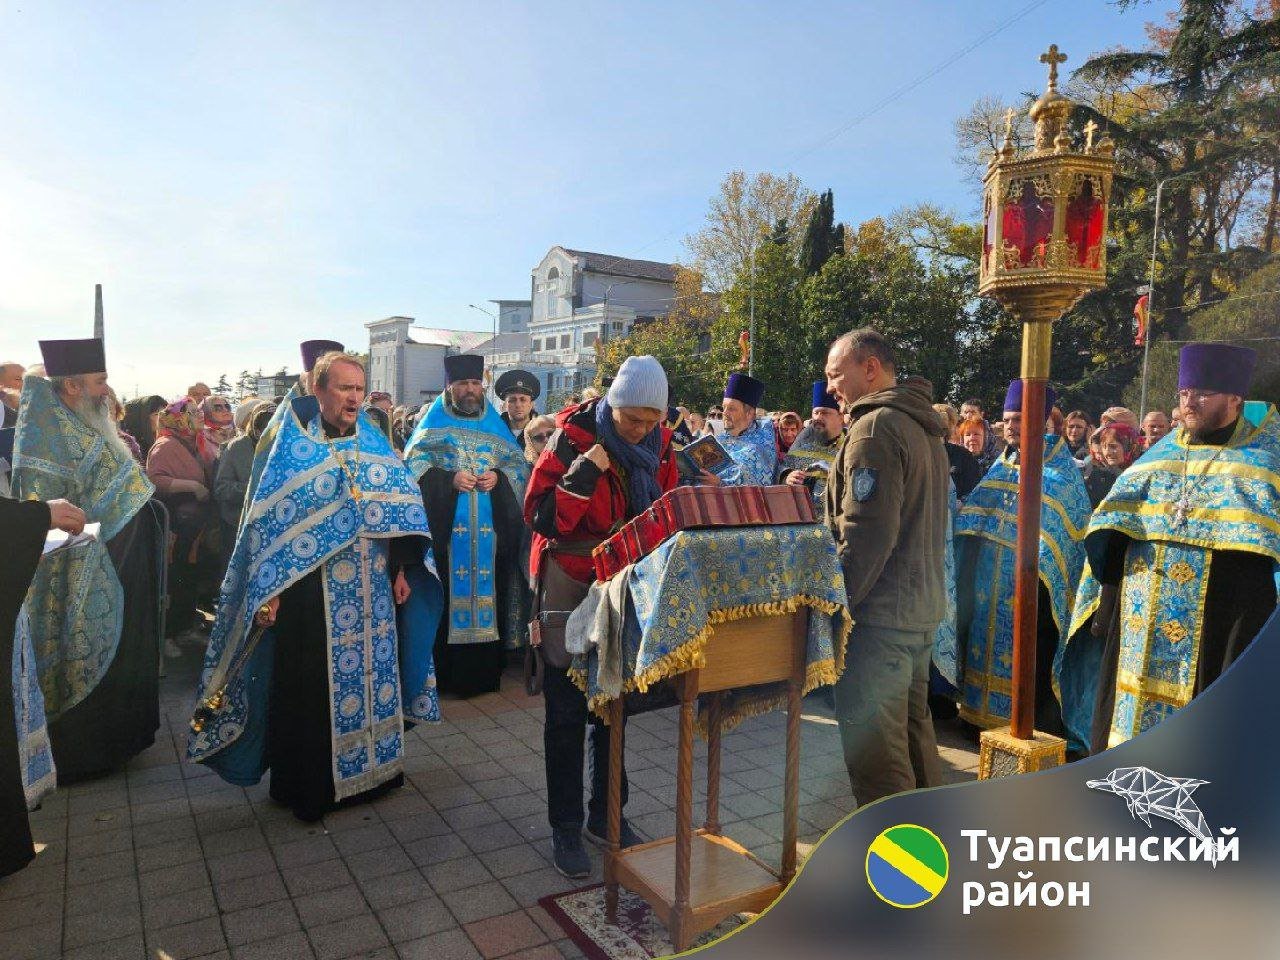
{"x": 907, "y": 866}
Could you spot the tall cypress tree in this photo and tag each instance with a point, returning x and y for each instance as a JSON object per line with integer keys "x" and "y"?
{"x": 816, "y": 248}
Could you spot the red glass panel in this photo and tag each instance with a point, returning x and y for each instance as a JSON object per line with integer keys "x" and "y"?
{"x": 1028, "y": 224}
{"x": 1085, "y": 215}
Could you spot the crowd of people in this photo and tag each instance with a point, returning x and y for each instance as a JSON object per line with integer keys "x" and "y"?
{"x": 340, "y": 562}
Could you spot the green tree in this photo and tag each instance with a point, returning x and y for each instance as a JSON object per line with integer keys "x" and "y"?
{"x": 1248, "y": 318}
{"x": 820, "y": 239}
{"x": 740, "y": 215}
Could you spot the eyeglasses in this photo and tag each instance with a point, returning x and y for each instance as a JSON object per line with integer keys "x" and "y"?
{"x": 541, "y": 437}
{"x": 219, "y": 406}
{"x": 1197, "y": 396}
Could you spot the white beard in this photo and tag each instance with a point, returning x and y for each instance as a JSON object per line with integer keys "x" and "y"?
{"x": 96, "y": 415}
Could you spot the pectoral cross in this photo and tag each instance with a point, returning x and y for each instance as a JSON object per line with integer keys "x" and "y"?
{"x": 1180, "y": 511}
{"x": 1052, "y": 57}
{"x": 1090, "y": 129}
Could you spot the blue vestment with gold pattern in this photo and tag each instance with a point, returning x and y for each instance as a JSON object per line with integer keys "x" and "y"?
{"x": 810, "y": 448}
{"x": 754, "y": 454}
{"x": 328, "y": 504}
{"x": 75, "y": 605}
{"x": 35, "y": 753}
{"x": 1230, "y": 497}
{"x": 446, "y": 440}
{"x": 990, "y": 516}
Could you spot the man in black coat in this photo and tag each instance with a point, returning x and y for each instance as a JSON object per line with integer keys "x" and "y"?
{"x": 25, "y": 524}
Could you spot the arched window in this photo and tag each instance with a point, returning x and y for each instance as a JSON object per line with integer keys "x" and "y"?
{"x": 553, "y": 273}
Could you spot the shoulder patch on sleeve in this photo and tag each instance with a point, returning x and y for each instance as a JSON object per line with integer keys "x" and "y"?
{"x": 865, "y": 481}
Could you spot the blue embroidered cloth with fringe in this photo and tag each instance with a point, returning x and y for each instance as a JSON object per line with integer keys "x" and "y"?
{"x": 702, "y": 577}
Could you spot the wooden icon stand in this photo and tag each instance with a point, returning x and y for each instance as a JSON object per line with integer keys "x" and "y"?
{"x": 697, "y": 878}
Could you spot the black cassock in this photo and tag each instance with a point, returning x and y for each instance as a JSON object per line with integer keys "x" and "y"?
{"x": 120, "y": 716}
{"x": 25, "y": 525}
{"x": 467, "y": 669}
{"x": 299, "y": 725}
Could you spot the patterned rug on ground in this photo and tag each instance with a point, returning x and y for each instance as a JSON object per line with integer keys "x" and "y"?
{"x": 639, "y": 935}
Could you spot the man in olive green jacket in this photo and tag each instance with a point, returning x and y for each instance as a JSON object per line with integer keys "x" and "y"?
{"x": 887, "y": 509}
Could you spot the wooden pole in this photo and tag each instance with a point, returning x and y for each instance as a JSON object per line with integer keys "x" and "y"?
{"x": 97, "y": 311}
{"x": 1035, "y": 370}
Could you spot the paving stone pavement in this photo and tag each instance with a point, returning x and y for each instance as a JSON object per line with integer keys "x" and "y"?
{"x": 164, "y": 860}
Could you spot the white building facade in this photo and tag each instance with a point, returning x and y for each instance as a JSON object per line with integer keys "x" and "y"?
{"x": 577, "y": 299}
{"x": 408, "y": 361}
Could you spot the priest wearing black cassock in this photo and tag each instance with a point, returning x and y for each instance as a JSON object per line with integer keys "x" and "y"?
{"x": 472, "y": 475}
{"x": 518, "y": 389}
{"x": 327, "y": 549}
{"x": 25, "y": 524}
{"x": 94, "y": 610}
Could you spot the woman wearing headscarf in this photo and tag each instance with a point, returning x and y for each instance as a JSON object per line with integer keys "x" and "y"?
{"x": 611, "y": 459}
{"x": 141, "y": 421}
{"x": 219, "y": 425}
{"x": 231, "y": 479}
{"x": 1117, "y": 445}
{"x": 182, "y": 470}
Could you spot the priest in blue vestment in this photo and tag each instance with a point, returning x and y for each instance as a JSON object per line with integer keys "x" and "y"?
{"x": 1183, "y": 558}
{"x": 472, "y": 474}
{"x": 310, "y": 672}
{"x": 93, "y": 610}
{"x": 986, "y": 541}
{"x": 748, "y": 438}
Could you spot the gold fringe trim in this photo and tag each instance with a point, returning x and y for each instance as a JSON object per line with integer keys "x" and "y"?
{"x": 691, "y": 656}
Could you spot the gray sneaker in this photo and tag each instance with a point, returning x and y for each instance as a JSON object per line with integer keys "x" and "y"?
{"x": 570, "y": 855}
{"x": 599, "y": 835}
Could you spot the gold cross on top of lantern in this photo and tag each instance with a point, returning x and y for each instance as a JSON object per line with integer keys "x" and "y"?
{"x": 1045, "y": 212}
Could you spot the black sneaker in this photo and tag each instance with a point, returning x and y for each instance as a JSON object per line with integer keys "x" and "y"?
{"x": 599, "y": 835}
{"x": 570, "y": 855}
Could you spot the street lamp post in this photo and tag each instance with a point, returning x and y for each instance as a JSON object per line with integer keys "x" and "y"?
{"x": 751, "y": 314}
{"x": 1044, "y": 247}
{"x": 493, "y": 343}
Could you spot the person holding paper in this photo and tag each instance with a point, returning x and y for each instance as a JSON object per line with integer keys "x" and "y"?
{"x": 26, "y": 763}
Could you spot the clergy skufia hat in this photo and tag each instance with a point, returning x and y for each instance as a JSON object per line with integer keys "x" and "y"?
{"x": 463, "y": 366}
{"x": 822, "y": 397}
{"x": 313, "y": 350}
{"x": 71, "y": 358}
{"x": 1221, "y": 367}
{"x": 518, "y": 381}
{"x": 745, "y": 389}
{"x": 1013, "y": 398}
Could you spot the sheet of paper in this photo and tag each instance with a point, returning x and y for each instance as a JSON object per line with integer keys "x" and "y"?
{"x": 61, "y": 540}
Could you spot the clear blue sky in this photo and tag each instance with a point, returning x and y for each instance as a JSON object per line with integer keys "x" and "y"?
{"x": 243, "y": 176}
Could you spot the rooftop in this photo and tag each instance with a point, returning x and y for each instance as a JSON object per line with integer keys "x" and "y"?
{"x": 625, "y": 266}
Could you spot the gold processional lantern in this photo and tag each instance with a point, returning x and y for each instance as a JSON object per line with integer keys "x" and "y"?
{"x": 1044, "y": 247}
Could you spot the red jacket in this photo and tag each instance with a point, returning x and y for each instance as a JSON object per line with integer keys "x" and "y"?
{"x": 570, "y": 498}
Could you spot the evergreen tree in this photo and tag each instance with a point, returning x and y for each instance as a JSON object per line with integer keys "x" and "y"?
{"x": 817, "y": 247}
{"x": 781, "y": 233}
